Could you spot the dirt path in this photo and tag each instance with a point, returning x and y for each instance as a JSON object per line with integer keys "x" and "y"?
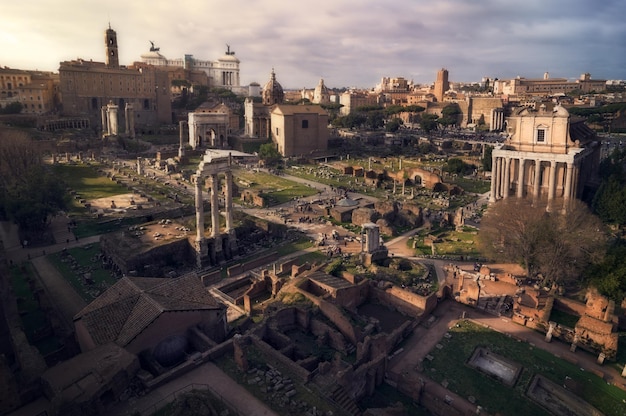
{"x": 67, "y": 301}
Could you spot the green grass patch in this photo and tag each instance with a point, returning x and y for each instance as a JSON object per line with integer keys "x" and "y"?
{"x": 475, "y": 186}
{"x": 449, "y": 363}
{"x": 87, "y": 182}
{"x": 563, "y": 318}
{"x": 87, "y": 227}
{"x": 275, "y": 189}
{"x": 86, "y": 260}
{"x": 458, "y": 243}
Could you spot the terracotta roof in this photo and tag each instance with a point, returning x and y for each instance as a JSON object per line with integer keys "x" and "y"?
{"x": 133, "y": 303}
{"x": 579, "y": 131}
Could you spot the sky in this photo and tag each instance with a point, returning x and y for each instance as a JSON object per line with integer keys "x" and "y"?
{"x": 348, "y": 43}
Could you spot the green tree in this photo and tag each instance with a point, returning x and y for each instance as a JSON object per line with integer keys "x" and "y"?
{"x": 456, "y": 165}
{"x": 609, "y": 276}
{"x": 428, "y": 122}
{"x": 557, "y": 244}
{"x": 393, "y": 125}
{"x": 449, "y": 115}
{"x": 29, "y": 193}
{"x": 14, "y": 107}
{"x": 269, "y": 154}
{"x": 486, "y": 161}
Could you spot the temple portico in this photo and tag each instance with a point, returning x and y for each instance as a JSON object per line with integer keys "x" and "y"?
{"x": 547, "y": 157}
{"x": 538, "y": 176}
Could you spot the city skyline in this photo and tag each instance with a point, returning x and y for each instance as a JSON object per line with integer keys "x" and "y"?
{"x": 347, "y": 43}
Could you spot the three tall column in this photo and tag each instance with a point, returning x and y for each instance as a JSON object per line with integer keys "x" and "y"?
{"x": 201, "y": 245}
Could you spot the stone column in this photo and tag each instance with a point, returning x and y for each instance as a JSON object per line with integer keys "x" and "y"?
{"x": 550, "y": 330}
{"x": 507, "y": 177}
{"x": 199, "y": 209}
{"x": 537, "y": 183}
{"x": 215, "y": 212}
{"x": 520, "y": 178}
{"x": 551, "y": 184}
{"x": 567, "y": 193}
{"x": 181, "y": 129}
{"x": 130, "y": 120}
{"x": 575, "y": 179}
{"x": 494, "y": 179}
{"x": 103, "y": 117}
{"x": 112, "y": 118}
{"x": 228, "y": 201}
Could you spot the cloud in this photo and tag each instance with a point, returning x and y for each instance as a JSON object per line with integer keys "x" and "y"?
{"x": 348, "y": 42}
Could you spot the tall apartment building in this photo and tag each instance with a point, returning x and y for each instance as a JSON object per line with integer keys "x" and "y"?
{"x": 87, "y": 86}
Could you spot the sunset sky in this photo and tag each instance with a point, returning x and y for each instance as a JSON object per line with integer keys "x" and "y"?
{"x": 346, "y": 42}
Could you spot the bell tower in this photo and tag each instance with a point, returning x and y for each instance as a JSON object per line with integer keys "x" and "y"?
{"x": 110, "y": 45}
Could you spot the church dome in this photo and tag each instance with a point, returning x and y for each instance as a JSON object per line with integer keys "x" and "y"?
{"x": 229, "y": 58}
{"x": 273, "y": 92}
{"x": 321, "y": 94}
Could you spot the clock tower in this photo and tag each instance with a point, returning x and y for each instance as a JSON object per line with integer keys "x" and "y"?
{"x": 110, "y": 44}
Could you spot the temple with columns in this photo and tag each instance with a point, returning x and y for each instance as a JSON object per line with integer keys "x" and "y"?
{"x": 547, "y": 157}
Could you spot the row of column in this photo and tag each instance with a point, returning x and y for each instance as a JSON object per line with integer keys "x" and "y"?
{"x": 502, "y": 180}
{"x": 229, "y": 78}
{"x": 66, "y": 124}
{"x": 215, "y": 208}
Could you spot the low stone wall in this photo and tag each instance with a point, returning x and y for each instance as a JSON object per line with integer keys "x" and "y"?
{"x": 253, "y": 264}
{"x": 406, "y": 302}
{"x": 303, "y": 375}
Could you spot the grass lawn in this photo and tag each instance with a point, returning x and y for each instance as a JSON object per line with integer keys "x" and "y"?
{"x": 476, "y": 186}
{"x": 458, "y": 243}
{"x": 564, "y": 318}
{"x": 277, "y": 190}
{"x": 87, "y": 261}
{"x": 449, "y": 363}
{"x": 87, "y": 182}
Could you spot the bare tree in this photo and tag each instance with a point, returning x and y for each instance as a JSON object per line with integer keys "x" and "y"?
{"x": 557, "y": 245}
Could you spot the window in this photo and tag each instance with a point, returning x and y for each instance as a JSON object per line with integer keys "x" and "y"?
{"x": 277, "y": 131}
{"x": 541, "y": 135}
{"x": 305, "y": 124}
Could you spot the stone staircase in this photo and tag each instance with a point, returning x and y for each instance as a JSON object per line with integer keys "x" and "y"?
{"x": 342, "y": 399}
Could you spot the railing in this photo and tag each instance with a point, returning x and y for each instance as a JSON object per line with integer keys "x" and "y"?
{"x": 189, "y": 387}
